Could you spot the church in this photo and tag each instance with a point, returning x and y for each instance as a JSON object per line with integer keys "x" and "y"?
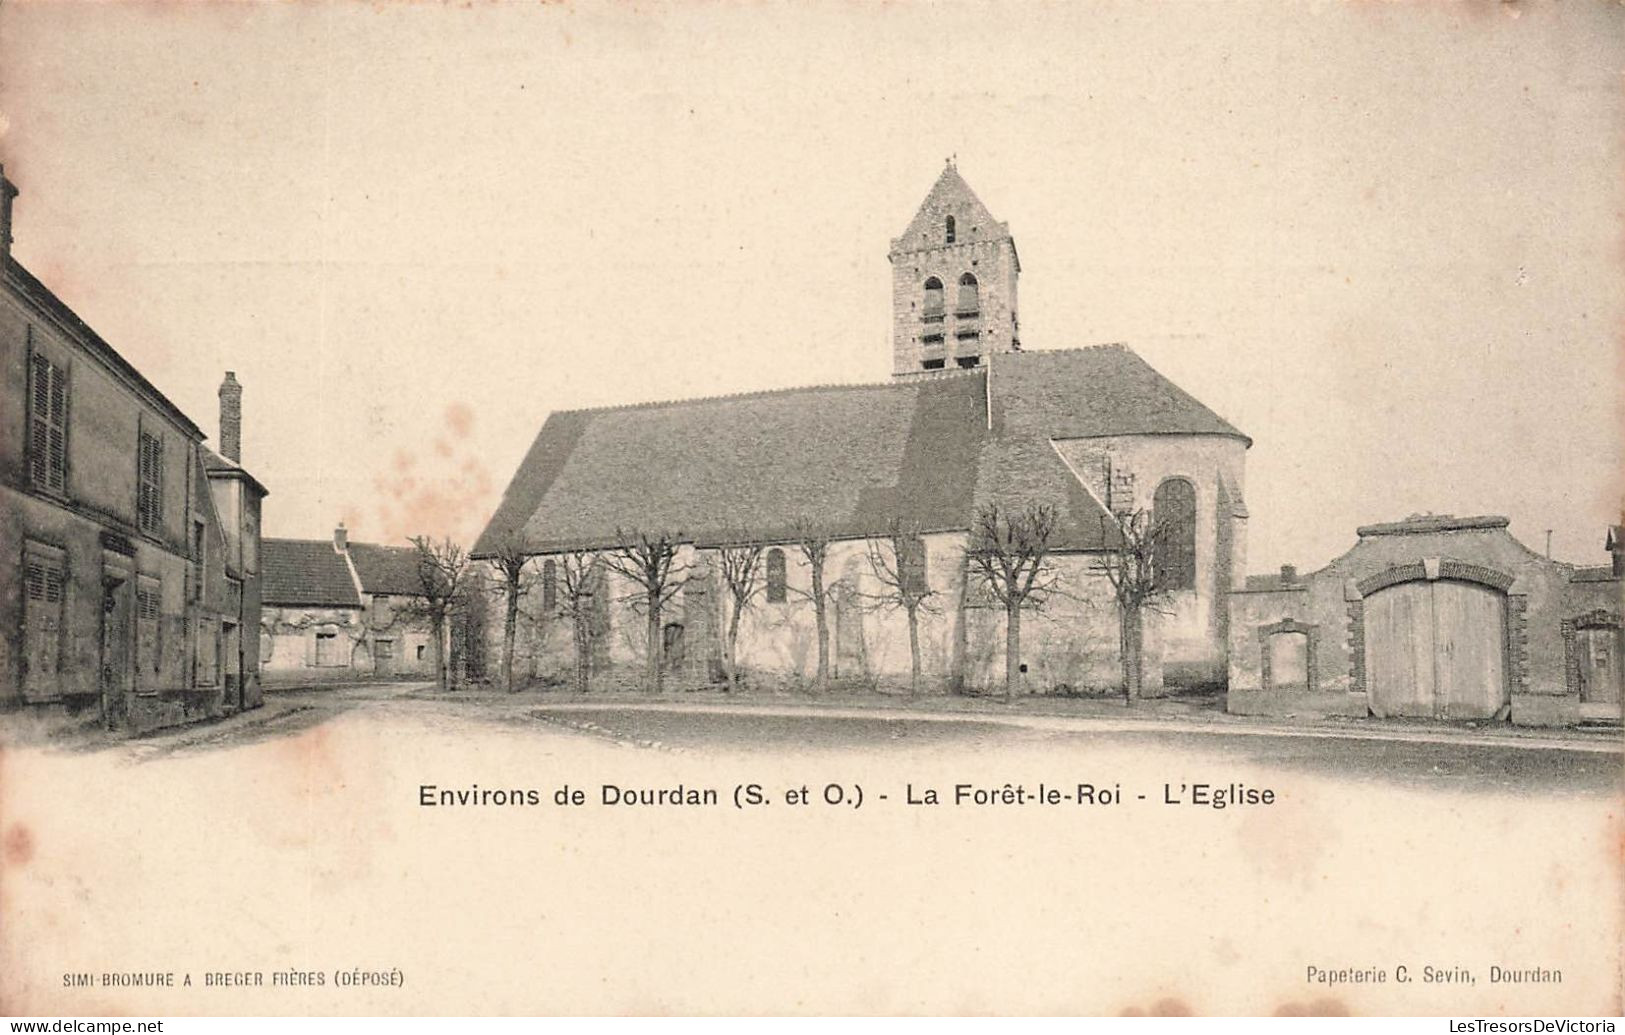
{"x": 970, "y": 417}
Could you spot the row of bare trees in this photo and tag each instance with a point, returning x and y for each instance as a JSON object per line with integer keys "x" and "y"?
{"x": 1009, "y": 558}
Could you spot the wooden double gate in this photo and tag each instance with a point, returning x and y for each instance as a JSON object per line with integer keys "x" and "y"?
{"x": 1436, "y": 649}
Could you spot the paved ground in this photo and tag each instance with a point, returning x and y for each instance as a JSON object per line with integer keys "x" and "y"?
{"x": 1445, "y": 762}
{"x": 1487, "y": 759}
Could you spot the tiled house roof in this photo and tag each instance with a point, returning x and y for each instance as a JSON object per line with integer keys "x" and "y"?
{"x": 214, "y": 463}
{"x": 304, "y": 572}
{"x": 391, "y": 570}
{"x": 849, "y": 458}
{"x": 42, "y": 296}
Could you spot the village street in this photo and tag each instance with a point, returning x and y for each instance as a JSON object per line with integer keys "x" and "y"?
{"x": 1416, "y": 755}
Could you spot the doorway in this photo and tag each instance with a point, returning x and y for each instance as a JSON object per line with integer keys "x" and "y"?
{"x": 1436, "y": 649}
{"x": 114, "y": 673}
{"x": 1598, "y": 650}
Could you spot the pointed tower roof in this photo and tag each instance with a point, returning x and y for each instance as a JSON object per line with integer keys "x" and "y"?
{"x": 950, "y": 196}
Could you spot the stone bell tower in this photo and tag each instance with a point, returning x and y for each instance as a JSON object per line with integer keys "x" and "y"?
{"x": 954, "y": 276}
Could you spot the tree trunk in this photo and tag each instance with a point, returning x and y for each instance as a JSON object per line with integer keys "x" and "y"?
{"x": 733, "y": 649}
{"x": 438, "y": 626}
{"x": 822, "y": 619}
{"x": 1012, "y": 648}
{"x": 1131, "y": 651}
{"x": 583, "y": 644}
{"x": 508, "y": 629}
{"x": 914, "y": 651}
{"x": 651, "y": 672}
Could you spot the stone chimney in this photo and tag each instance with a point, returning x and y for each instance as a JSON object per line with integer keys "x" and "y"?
{"x": 8, "y": 191}
{"x": 231, "y": 419}
{"x": 1289, "y": 574}
{"x": 341, "y": 538}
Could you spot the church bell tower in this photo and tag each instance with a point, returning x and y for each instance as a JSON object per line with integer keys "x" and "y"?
{"x": 954, "y": 276}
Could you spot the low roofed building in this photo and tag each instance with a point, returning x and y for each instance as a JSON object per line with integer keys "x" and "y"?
{"x": 337, "y": 610}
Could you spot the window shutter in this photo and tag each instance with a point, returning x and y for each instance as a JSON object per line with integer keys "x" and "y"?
{"x": 157, "y": 483}
{"x": 39, "y": 422}
{"x": 149, "y": 503}
{"x": 147, "y": 654}
{"x": 58, "y": 456}
{"x": 142, "y": 468}
{"x": 42, "y": 623}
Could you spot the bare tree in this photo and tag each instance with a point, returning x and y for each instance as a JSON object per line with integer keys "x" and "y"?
{"x": 741, "y": 564}
{"x": 1009, "y": 554}
{"x": 649, "y": 561}
{"x": 582, "y": 601}
{"x": 898, "y": 562}
{"x": 813, "y": 539}
{"x": 509, "y": 559}
{"x": 1134, "y": 542}
{"x": 441, "y": 567}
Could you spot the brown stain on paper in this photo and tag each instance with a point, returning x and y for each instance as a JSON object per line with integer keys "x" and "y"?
{"x": 1168, "y": 1006}
{"x": 443, "y": 488}
{"x": 17, "y": 846}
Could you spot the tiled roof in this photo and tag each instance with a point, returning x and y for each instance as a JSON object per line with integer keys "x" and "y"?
{"x": 950, "y": 195}
{"x": 214, "y": 463}
{"x": 846, "y": 458}
{"x": 42, "y": 296}
{"x": 304, "y": 572}
{"x": 1596, "y": 573}
{"x": 1420, "y": 524}
{"x": 849, "y": 458}
{"x": 1093, "y": 393}
{"x": 1015, "y": 470}
{"x": 392, "y": 570}
{"x": 1274, "y": 582}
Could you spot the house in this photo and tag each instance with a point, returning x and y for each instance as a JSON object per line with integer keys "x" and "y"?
{"x": 129, "y": 551}
{"x": 969, "y": 418}
{"x": 334, "y": 609}
{"x": 1434, "y": 617}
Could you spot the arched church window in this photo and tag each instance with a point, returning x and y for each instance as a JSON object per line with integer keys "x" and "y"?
{"x": 1173, "y": 519}
{"x": 912, "y": 567}
{"x": 950, "y": 234}
{"x": 775, "y": 576}
{"x": 969, "y": 299}
{"x": 933, "y": 299}
{"x": 550, "y": 585}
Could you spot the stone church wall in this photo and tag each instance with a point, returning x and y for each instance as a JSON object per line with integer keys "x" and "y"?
{"x": 1193, "y": 637}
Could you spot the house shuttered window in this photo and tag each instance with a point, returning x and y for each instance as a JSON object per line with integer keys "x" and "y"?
{"x": 327, "y": 649}
{"x": 149, "y": 630}
{"x": 150, "y": 504}
{"x": 208, "y": 653}
{"x": 44, "y": 584}
{"x": 47, "y": 424}
{"x": 198, "y": 546}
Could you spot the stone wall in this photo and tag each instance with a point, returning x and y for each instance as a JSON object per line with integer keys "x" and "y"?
{"x": 1194, "y": 635}
{"x": 1069, "y": 645}
{"x": 288, "y": 648}
{"x": 993, "y": 263}
{"x": 1330, "y": 604}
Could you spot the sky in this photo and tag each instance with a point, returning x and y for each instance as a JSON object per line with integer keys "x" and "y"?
{"x": 1382, "y": 239}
